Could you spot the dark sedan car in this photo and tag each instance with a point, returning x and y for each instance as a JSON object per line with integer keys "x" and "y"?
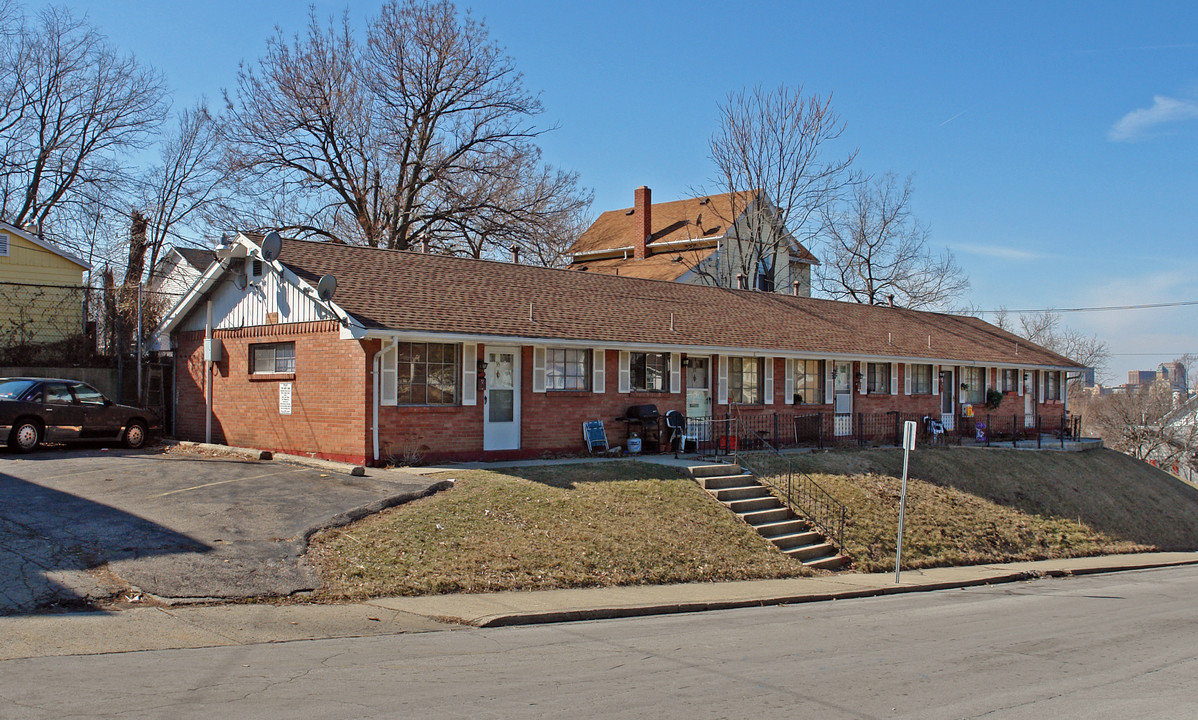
{"x": 37, "y": 410}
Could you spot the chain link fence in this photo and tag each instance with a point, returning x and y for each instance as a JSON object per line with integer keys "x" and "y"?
{"x": 73, "y": 326}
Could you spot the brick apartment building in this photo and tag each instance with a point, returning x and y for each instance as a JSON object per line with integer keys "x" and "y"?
{"x": 450, "y": 358}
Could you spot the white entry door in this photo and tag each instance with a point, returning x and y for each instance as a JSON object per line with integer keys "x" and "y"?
{"x": 842, "y": 387}
{"x": 501, "y": 399}
{"x": 1029, "y": 407}
{"x": 698, "y": 396}
{"x": 948, "y": 398}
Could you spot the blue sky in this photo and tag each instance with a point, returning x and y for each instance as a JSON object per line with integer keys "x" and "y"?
{"x": 1054, "y": 146}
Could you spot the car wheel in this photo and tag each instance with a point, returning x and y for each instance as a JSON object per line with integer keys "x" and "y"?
{"x": 135, "y": 435}
{"x": 26, "y": 435}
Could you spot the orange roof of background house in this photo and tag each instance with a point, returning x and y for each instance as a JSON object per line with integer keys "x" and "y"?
{"x": 690, "y": 219}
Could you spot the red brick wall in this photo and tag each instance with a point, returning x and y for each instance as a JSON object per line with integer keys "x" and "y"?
{"x": 331, "y": 392}
{"x": 333, "y": 398}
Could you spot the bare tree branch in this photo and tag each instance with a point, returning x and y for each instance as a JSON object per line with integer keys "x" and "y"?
{"x": 875, "y": 250}
{"x": 769, "y": 156}
{"x": 421, "y": 135}
{"x": 81, "y": 105}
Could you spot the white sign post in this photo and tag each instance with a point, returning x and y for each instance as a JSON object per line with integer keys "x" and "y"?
{"x": 908, "y": 445}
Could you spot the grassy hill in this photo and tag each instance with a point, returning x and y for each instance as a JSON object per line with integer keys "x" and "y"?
{"x": 624, "y": 523}
{"x": 972, "y": 505}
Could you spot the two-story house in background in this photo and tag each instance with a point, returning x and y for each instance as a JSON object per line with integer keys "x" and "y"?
{"x": 731, "y": 240}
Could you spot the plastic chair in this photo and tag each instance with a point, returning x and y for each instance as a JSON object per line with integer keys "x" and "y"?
{"x": 676, "y": 424}
{"x": 594, "y": 435}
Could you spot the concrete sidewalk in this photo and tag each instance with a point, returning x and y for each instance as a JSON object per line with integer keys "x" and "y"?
{"x": 157, "y": 628}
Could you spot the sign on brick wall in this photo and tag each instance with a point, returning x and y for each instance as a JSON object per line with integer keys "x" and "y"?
{"x": 285, "y": 398}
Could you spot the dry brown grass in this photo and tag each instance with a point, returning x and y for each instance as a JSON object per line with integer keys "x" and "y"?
{"x": 615, "y": 523}
{"x": 631, "y": 523}
{"x": 975, "y": 506}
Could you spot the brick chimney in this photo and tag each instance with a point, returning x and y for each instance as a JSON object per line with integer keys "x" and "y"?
{"x": 642, "y": 209}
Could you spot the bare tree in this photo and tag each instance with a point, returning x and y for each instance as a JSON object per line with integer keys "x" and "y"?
{"x": 770, "y": 156}
{"x": 1143, "y": 423}
{"x": 875, "y": 251}
{"x": 411, "y": 138}
{"x": 1046, "y": 330}
{"x": 527, "y": 205}
{"x": 188, "y": 180}
{"x": 80, "y": 105}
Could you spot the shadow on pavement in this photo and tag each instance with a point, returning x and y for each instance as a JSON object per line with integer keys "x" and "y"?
{"x": 50, "y": 540}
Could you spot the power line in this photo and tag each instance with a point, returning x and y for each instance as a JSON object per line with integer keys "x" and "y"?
{"x": 1104, "y": 308}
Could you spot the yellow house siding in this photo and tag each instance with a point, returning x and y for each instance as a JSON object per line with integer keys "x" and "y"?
{"x": 30, "y": 314}
{"x": 29, "y": 263}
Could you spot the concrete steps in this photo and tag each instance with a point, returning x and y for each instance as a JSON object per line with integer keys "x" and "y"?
{"x": 741, "y": 493}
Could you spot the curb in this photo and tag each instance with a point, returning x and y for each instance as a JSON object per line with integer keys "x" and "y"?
{"x": 354, "y": 514}
{"x": 547, "y": 617}
{"x": 254, "y": 454}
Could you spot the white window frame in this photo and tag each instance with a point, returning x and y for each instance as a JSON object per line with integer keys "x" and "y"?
{"x": 587, "y": 377}
{"x": 457, "y": 375}
{"x": 275, "y": 358}
{"x": 878, "y": 388}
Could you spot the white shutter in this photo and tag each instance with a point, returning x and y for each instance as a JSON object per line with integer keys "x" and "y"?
{"x": 469, "y": 374}
{"x": 388, "y": 394}
{"x": 538, "y": 369}
{"x": 907, "y": 378}
{"x": 1040, "y": 395}
{"x": 788, "y": 382}
{"x": 829, "y": 382}
{"x": 625, "y": 378}
{"x": 894, "y": 378}
{"x": 1019, "y": 379}
{"x": 598, "y": 370}
{"x": 722, "y": 386}
{"x": 935, "y": 379}
{"x": 675, "y": 372}
{"x": 769, "y": 380}
{"x": 864, "y": 377}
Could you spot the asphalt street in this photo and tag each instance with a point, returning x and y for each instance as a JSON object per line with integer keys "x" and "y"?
{"x": 1103, "y": 646}
{"x": 80, "y": 524}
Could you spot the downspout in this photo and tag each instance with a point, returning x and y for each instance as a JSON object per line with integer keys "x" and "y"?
{"x": 208, "y": 375}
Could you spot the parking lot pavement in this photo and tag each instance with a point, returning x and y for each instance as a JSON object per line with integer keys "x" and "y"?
{"x": 76, "y": 523}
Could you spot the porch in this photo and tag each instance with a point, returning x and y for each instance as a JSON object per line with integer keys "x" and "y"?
{"x": 746, "y": 431}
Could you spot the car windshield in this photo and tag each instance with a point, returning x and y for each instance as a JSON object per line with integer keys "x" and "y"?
{"x": 13, "y": 389}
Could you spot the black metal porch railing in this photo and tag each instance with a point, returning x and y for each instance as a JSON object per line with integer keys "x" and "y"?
{"x": 744, "y": 431}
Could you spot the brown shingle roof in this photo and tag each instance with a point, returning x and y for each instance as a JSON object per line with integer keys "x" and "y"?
{"x": 413, "y": 292}
{"x": 198, "y": 258}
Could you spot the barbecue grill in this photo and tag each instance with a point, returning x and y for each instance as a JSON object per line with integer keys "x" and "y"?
{"x": 648, "y": 418}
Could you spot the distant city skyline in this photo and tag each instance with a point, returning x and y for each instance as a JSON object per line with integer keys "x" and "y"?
{"x": 1052, "y": 145}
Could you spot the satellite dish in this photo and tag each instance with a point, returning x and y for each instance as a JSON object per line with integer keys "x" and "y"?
{"x": 326, "y": 287}
{"x": 272, "y": 244}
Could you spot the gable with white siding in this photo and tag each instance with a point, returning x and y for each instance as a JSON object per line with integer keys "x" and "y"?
{"x": 266, "y": 300}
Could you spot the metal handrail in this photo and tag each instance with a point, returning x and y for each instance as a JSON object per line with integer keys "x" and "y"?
{"x": 804, "y": 496}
